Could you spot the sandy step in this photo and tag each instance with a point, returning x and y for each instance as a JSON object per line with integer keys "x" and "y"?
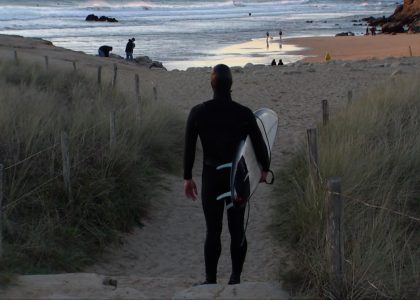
{"x": 95, "y": 286}
{"x": 91, "y": 286}
{"x": 247, "y": 290}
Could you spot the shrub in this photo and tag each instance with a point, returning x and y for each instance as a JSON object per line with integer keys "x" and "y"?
{"x": 374, "y": 146}
{"x": 44, "y": 229}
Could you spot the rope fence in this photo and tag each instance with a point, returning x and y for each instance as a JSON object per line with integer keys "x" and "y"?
{"x": 65, "y": 140}
{"x": 335, "y": 208}
{"x": 396, "y": 212}
{"x": 78, "y": 134}
{"x": 76, "y": 66}
{"x": 31, "y": 156}
{"x": 75, "y": 135}
{"x": 335, "y": 234}
{"x": 19, "y": 199}
{"x": 313, "y": 155}
{"x": 72, "y": 166}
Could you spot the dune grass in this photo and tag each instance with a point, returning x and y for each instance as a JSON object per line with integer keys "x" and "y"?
{"x": 44, "y": 230}
{"x": 374, "y": 146}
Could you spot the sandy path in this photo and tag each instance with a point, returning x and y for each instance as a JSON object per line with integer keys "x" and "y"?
{"x": 172, "y": 241}
{"x": 167, "y": 254}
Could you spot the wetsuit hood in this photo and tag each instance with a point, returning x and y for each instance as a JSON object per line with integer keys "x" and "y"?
{"x": 221, "y": 81}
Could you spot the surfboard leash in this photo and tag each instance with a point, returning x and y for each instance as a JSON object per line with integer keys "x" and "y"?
{"x": 247, "y": 218}
{"x": 269, "y": 156}
{"x": 270, "y": 182}
{"x": 249, "y": 211}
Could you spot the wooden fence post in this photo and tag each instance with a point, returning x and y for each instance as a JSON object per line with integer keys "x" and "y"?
{"x": 46, "y": 62}
{"x": 1, "y": 210}
{"x": 99, "y": 75}
{"x": 409, "y": 50}
{"x": 334, "y": 238}
{"x": 16, "y": 57}
{"x": 137, "y": 86}
{"x": 349, "y": 97}
{"x": 66, "y": 164}
{"x": 325, "y": 112}
{"x": 313, "y": 148}
{"x": 114, "y": 79}
{"x": 112, "y": 130}
{"x": 155, "y": 94}
{"x": 74, "y": 66}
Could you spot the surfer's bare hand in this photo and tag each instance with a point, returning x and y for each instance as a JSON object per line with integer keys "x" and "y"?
{"x": 190, "y": 189}
{"x": 264, "y": 175}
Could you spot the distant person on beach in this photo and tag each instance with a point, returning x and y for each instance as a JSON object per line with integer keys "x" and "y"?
{"x": 410, "y": 29}
{"x": 268, "y": 35}
{"x": 273, "y": 62}
{"x": 104, "y": 50}
{"x": 129, "y": 48}
{"x": 367, "y": 31}
{"x": 373, "y": 30}
{"x": 280, "y": 62}
{"x": 220, "y": 123}
{"x": 280, "y": 34}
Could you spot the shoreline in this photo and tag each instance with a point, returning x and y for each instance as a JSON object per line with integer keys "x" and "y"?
{"x": 307, "y": 49}
{"x": 255, "y": 52}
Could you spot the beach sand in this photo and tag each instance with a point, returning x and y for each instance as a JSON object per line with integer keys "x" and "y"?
{"x": 310, "y": 49}
{"x": 166, "y": 256}
{"x": 357, "y": 47}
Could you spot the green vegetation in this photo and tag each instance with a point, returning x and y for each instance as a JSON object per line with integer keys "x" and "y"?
{"x": 374, "y": 145}
{"x": 44, "y": 230}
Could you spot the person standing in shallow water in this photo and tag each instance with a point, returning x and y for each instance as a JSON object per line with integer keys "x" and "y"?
{"x": 220, "y": 123}
{"x": 267, "y": 34}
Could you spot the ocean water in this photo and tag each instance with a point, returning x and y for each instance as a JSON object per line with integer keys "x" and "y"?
{"x": 183, "y": 33}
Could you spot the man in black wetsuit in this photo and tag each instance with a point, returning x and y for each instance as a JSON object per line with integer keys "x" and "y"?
{"x": 220, "y": 123}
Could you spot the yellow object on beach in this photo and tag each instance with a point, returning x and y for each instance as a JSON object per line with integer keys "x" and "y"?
{"x": 327, "y": 57}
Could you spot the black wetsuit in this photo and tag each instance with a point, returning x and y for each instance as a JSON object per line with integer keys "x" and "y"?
{"x": 130, "y": 46}
{"x": 221, "y": 123}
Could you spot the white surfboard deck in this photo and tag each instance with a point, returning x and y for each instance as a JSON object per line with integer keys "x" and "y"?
{"x": 246, "y": 171}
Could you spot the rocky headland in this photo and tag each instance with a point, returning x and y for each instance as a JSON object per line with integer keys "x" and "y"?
{"x": 406, "y": 15}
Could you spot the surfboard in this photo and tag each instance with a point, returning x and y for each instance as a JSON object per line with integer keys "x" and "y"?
{"x": 246, "y": 171}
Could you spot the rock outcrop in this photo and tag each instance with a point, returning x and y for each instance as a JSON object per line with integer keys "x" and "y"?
{"x": 405, "y": 15}
{"x": 145, "y": 60}
{"x": 411, "y": 8}
{"x": 349, "y": 33}
{"x": 95, "y": 18}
